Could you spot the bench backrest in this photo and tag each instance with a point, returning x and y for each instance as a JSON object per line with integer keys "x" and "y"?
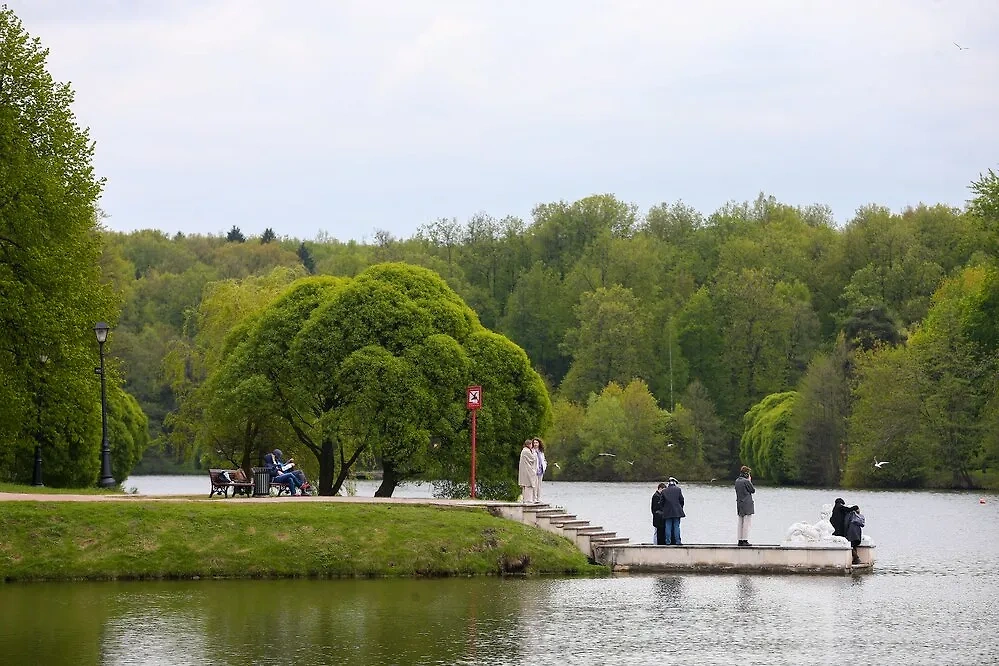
{"x": 235, "y": 475}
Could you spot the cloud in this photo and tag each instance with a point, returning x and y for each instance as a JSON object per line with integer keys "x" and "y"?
{"x": 387, "y": 114}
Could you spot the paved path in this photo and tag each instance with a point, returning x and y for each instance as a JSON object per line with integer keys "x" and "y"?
{"x": 65, "y": 497}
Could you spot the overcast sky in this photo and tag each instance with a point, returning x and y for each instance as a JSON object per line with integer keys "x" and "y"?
{"x": 348, "y": 117}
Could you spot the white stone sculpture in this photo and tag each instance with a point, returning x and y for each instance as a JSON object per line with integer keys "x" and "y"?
{"x": 819, "y": 535}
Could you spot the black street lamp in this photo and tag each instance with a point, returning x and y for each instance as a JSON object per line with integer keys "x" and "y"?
{"x": 36, "y": 477}
{"x": 106, "y": 480}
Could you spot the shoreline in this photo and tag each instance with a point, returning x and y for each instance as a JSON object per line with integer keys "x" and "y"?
{"x": 120, "y": 537}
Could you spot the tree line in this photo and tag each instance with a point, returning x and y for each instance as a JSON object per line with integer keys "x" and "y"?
{"x": 756, "y": 334}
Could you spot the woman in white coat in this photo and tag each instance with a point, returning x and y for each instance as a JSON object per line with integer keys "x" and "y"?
{"x": 539, "y": 450}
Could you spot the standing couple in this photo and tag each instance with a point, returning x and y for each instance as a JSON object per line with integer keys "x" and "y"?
{"x": 532, "y": 469}
{"x": 667, "y": 510}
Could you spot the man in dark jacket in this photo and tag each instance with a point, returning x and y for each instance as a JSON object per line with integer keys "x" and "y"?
{"x": 658, "y": 517}
{"x": 744, "y": 503}
{"x": 673, "y": 511}
{"x": 838, "y": 517}
{"x": 274, "y": 464}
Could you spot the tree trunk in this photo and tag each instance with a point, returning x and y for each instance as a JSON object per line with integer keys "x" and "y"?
{"x": 389, "y": 481}
{"x": 326, "y": 464}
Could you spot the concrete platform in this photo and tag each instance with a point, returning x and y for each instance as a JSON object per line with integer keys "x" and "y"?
{"x": 729, "y": 558}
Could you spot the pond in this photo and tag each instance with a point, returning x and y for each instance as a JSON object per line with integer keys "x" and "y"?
{"x": 932, "y": 598}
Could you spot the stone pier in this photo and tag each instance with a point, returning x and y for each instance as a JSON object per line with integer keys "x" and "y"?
{"x": 618, "y": 553}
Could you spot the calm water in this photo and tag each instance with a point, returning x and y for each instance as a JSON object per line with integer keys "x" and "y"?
{"x": 933, "y": 598}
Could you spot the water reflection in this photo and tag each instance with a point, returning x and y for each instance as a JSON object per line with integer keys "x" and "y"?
{"x": 719, "y": 619}
{"x": 921, "y": 605}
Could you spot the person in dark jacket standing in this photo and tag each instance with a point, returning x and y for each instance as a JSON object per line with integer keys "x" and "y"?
{"x": 744, "y": 503}
{"x": 673, "y": 511}
{"x": 658, "y": 517}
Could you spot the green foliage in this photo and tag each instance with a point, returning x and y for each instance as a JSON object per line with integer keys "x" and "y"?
{"x": 51, "y": 291}
{"x": 869, "y": 327}
{"x": 235, "y": 235}
{"x": 885, "y": 422}
{"x": 765, "y": 440}
{"x": 378, "y": 365}
{"x": 609, "y": 344}
{"x": 946, "y": 378}
{"x": 985, "y": 204}
{"x": 128, "y": 433}
{"x": 699, "y": 424}
{"x": 537, "y": 316}
{"x": 818, "y": 423}
{"x": 644, "y": 440}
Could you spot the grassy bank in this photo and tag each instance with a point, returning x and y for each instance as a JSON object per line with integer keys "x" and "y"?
{"x": 147, "y": 540}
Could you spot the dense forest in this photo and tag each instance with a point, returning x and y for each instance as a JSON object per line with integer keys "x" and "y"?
{"x": 637, "y": 343}
{"x": 680, "y": 343}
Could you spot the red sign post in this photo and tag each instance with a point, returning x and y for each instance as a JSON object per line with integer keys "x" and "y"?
{"x": 473, "y": 402}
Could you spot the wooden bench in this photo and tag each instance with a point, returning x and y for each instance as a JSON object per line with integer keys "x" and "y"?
{"x": 237, "y": 481}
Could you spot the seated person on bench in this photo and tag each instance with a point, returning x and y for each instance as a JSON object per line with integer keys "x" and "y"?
{"x": 274, "y": 464}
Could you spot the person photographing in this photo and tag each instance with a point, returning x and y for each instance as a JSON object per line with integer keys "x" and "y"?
{"x": 744, "y": 503}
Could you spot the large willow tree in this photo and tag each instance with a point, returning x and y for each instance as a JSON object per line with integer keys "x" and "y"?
{"x": 378, "y": 364}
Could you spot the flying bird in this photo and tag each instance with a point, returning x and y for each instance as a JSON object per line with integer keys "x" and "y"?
{"x": 959, "y": 47}
{"x": 557, "y": 466}
{"x": 712, "y": 480}
{"x": 670, "y": 444}
{"x": 630, "y": 462}
{"x": 879, "y": 464}
{"x": 612, "y": 455}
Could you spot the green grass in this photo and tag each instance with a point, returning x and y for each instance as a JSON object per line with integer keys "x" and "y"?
{"x": 149, "y": 540}
{"x": 45, "y": 490}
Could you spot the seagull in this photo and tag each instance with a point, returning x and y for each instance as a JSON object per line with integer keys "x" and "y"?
{"x": 612, "y": 455}
{"x": 670, "y": 444}
{"x": 557, "y": 466}
{"x": 712, "y": 480}
{"x": 630, "y": 462}
{"x": 959, "y": 47}
{"x": 879, "y": 464}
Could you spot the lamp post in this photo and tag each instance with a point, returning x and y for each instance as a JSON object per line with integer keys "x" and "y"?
{"x": 36, "y": 476}
{"x": 106, "y": 480}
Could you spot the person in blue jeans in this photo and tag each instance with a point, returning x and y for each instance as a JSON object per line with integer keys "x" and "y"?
{"x": 272, "y": 463}
{"x": 673, "y": 511}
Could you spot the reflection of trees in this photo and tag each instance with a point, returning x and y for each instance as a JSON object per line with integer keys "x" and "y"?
{"x": 362, "y": 621}
{"x": 277, "y": 621}
{"x": 53, "y": 623}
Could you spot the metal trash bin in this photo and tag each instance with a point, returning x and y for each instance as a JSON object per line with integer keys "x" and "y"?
{"x": 261, "y": 482}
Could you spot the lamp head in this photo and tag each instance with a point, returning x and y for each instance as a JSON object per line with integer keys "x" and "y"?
{"x": 101, "y": 330}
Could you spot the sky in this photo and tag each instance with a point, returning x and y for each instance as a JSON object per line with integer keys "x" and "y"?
{"x": 347, "y": 117}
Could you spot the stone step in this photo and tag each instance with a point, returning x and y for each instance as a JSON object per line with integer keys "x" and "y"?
{"x": 601, "y": 536}
{"x": 561, "y": 518}
{"x": 572, "y": 524}
{"x": 589, "y": 529}
{"x": 617, "y": 541}
{"x": 551, "y": 512}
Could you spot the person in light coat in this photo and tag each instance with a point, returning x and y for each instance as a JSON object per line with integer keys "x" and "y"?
{"x": 539, "y": 451}
{"x": 527, "y": 477}
{"x": 744, "y": 503}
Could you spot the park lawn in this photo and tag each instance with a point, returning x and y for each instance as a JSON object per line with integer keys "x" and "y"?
{"x": 45, "y": 490}
{"x": 148, "y": 540}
